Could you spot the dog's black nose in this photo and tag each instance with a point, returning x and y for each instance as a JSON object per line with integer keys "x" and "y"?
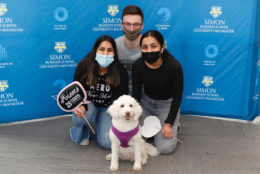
{"x": 127, "y": 113}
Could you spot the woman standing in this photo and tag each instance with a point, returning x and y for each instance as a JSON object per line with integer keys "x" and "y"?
{"x": 104, "y": 80}
{"x": 160, "y": 76}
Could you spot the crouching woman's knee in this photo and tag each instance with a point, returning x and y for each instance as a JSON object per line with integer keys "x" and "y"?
{"x": 77, "y": 121}
{"x": 166, "y": 147}
{"x": 104, "y": 142}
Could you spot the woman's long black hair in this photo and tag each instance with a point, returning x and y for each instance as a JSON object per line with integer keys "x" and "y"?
{"x": 91, "y": 75}
{"x": 159, "y": 37}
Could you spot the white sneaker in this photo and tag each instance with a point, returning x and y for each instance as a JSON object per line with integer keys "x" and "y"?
{"x": 84, "y": 142}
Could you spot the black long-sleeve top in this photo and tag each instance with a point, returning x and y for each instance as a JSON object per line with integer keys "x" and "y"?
{"x": 162, "y": 83}
{"x": 101, "y": 94}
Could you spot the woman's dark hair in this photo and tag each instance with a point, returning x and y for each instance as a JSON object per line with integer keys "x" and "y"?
{"x": 133, "y": 10}
{"x": 159, "y": 37}
{"x": 91, "y": 75}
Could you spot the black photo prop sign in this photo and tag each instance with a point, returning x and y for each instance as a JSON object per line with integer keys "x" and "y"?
{"x": 72, "y": 96}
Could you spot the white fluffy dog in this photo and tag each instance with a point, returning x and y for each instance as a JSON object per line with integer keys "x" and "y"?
{"x": 125, "y": 134}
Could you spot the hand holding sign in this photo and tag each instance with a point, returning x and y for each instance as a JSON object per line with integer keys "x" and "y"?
{"x": 71, "y": 97}
{"x": 80, "y": 111}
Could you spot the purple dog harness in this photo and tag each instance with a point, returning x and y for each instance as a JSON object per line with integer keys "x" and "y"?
{"x": 124, "y": 137}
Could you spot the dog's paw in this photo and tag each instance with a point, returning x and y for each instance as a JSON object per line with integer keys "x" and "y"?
{"x": 137, "y": 167}
{"x": 108, "y": 157}
{"x": 144, "y": 161}
{"x": 114, "y": 168}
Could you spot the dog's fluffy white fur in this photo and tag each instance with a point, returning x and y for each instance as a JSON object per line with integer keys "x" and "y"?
{"x": 125, "y": 112}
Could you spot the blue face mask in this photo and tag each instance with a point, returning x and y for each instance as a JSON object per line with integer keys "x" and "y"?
{"x": 104, "y": 60}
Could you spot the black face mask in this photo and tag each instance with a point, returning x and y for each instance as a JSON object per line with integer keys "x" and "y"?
{"x": 151, "y": 57}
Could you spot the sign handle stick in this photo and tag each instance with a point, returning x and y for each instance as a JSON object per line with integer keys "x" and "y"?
{"x": 89, "y": 125}
{"x": 179, "y": 140}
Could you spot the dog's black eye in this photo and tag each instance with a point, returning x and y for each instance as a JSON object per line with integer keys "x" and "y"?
{"x": 121, "y": 106}
{"x": 131, "y": 105}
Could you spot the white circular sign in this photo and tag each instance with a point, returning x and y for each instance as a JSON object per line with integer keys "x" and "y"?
{"x": 151, "y": 126}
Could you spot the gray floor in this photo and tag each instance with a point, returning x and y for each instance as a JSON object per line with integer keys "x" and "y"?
{"x": 210, "y": 146}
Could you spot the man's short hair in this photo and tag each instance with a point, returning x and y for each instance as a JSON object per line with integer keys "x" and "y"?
{"x": 132, "y": 10}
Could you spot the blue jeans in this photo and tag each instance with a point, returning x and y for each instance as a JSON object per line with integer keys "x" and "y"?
{"x": 161, "y": 108}
{"x": 80, "y": 130}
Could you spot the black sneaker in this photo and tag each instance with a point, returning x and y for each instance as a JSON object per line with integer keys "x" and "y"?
{"x": 150, "y": 140}
{"x": 179, "y": 127}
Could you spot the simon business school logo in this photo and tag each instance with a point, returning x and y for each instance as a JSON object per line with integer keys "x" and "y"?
{"x": 112, "y": 10}
{"x": 60, "y": 47}
{"x": 3, "y": 9}
{"x": 215, "y": 11}
{"x": 207, "y": 81}
{"x": 3, "y": 85}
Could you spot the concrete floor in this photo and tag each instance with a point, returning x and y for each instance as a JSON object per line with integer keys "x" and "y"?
{"x": 211, "y": 146}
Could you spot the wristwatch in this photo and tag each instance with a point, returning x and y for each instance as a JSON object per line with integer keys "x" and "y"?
{"x": 168, "y": 124}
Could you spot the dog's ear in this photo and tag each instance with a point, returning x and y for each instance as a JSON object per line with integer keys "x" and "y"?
{"x": 113, "y": 110}
{"x": 138, "y": 111}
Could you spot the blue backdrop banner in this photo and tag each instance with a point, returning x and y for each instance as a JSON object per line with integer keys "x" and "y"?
{"x": 217, "y": 43}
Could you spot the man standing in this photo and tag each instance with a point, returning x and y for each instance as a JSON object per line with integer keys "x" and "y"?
{"x": 128, "y": 45}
